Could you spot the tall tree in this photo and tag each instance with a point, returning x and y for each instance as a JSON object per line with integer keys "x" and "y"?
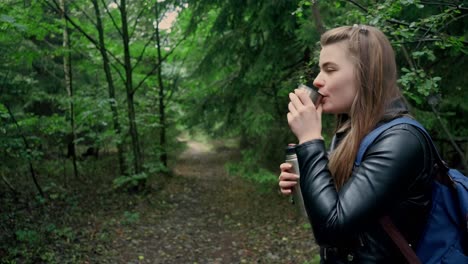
{"x": 67, "y": 70}
{"x": 161, "y": 94}
{"x": 137, "y": 158}
{"x": 110, "y": 86}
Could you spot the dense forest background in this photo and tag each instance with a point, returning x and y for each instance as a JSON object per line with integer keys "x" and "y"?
{"x": 101, "y": 93}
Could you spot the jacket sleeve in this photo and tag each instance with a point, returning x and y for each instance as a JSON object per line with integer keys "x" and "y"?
{"x": 388, "y": 168}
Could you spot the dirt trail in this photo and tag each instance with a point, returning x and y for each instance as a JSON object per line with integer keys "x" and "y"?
{"x": 204, "y": 216}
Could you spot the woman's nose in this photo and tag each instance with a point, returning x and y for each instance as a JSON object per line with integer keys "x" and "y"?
{"x": 318, "y": 82}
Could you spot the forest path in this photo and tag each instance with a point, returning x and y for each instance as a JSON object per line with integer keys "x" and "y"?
{"x": 203, "y": 215}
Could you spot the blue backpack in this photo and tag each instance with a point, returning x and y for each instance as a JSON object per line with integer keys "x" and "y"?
{"x": 445, "y": 238}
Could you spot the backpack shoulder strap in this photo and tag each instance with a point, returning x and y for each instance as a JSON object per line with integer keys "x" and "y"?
{"x": 369, "y": 138}
{"x": 399, "y": 240}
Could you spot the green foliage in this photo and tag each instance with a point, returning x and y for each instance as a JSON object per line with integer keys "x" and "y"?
{"x": 130, "y": 218}
{"x": 249, "y": 169}
{"x": 303, "y": 4}
{"x": 55, "y": 192}
{"x": 315, "y": 260}
{"x": 66, "y": 233}
{"x": 130, "y": 182}
{"x": 416, "y": 84}
{"x": 19, "y": 143}
{"x": 28, "y": 236}
{"x": 32, "y": 244}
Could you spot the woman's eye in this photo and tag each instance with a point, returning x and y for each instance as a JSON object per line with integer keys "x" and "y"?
{"x": 330, "y": 69}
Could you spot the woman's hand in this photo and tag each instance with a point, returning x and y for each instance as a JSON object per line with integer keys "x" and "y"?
{"x": 287, "y": 179}
{"x": 304, "y": 119}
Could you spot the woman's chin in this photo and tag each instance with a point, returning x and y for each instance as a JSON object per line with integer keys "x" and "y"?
{"x": 326, "y": 109}
{"x": 331, "y": 111}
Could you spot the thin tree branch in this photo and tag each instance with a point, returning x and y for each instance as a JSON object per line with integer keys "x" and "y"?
{"x": 112, "y": 18}
{"x": 140, "y": 57}
{"x": 443, "y": 27}
{"x": 28, "y": 149}
{"x": 450, "y": 136}
{"x": 8, "y": 184}
{"x": 170, "y": 92}
{"x": 82, "y": 31}
{"x": 156, "y": 66}
{"x": 408, "y": 58}
{"x": 132, "y": 31}
{"x": 451, "y": 21}
{"x": 444, "y": 4}
{"x": 84, "y": 12}
{"x": 174, "y": 86}
{"x": 424, "y": 35}
{"x": 118, "y": 72}
{"x": 358, "y": 5}
{"x": 419, "y": 40}
{"x": 317, "y": 17}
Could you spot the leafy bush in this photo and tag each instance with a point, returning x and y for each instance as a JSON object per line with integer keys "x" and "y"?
{"x": 130, "y": 182}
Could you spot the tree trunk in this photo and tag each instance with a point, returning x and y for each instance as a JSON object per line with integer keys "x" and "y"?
{"x": 162, "y": 106}
{"x": 317, "y": 18}
{"x": 137, "y": 159}
{"x": 69, "y": 86}
{"x": 111, "y": 88}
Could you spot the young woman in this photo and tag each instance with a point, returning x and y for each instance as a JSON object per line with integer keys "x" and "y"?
{"x": 358, "y": 83}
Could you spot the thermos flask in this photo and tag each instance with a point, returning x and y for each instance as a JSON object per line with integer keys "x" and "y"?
{"x": 296, "y": 197}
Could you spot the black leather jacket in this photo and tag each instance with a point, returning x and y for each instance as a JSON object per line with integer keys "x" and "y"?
{"x": 394, "y": 179}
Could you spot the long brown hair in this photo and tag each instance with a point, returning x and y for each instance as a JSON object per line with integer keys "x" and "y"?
{"x": 376, "y": 82}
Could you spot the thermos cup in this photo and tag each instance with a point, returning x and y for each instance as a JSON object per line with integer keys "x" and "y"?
{"x": 314, "y": 95}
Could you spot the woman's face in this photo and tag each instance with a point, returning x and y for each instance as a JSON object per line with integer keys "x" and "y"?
{"x": 336, "y": 80}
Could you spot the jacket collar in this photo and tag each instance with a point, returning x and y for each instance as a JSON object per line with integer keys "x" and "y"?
{"x": 397, "y": 107}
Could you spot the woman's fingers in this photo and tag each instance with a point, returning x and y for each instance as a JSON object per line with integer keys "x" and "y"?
{"x": 287, "y": 184}
{"x": 288, "y": 176}
{"x": 300, "y": 102}
{"x": 319, "y": 111}
{"x": 292, "y": 109}
{"x": 287, "y": 179}
{"x": 285, "y": 166}
{"x": 295, "y": 102}
{"x": 286, "y": 187}
{"x": 303, "y": 96}
{"x": 286, "y": 191}
{"x": 303, "y": 117}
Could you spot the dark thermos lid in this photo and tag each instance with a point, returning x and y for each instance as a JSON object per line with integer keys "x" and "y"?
{"x": 290, "y": 149}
